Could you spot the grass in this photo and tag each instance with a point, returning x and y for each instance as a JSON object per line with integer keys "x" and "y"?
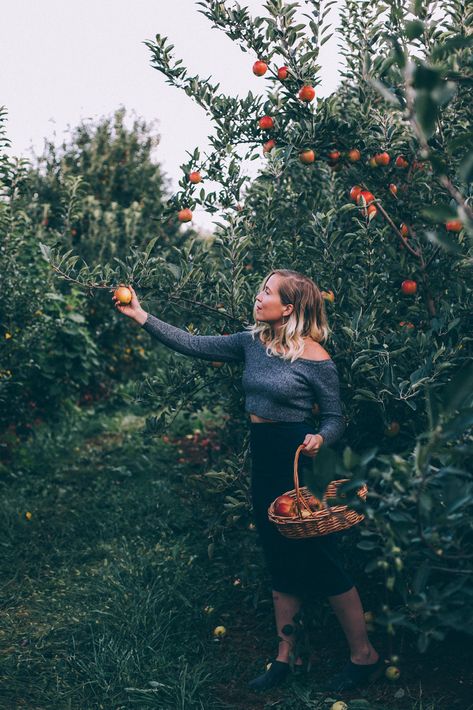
{"x": 104, "y": 590}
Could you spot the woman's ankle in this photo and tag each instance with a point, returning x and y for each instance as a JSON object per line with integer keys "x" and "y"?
{"x": 284, "y": 658}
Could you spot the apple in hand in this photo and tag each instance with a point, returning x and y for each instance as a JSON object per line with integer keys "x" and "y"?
{"x": 124, "y": 295}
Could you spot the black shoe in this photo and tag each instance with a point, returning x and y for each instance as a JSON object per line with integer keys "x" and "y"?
{"x": 275, "y": 675}
{"x": 354, "y": 675}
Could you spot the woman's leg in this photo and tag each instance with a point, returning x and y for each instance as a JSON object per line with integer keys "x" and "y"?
{"x": 349, "y": 612}
{"x": 286, "y": 606}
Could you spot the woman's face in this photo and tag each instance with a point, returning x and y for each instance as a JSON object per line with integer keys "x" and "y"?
{"x": 268, "y": 305}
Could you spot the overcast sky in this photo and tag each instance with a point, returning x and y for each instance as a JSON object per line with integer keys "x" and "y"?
{"x": 61, "y": 61}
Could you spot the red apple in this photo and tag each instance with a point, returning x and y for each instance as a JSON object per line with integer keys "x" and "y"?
{"x": 285, "y": 506}
{"x": 382, "y": 158}
{"x": 283, "y": 73}
{"x": 401, "y": 162}
{"x": 393, "y": 189}
{"x": 313, "y": 503}
{"x": 307, "y": 156}
{"x": 355, "y": 192}
{"x": 408, "y": 287}
{"x": 368, "y": 197}
{"x": 195, "y": 177}
{"x": 454, "y": 225}
{"x": 184, "y": 215}
{"x": 260, "y": 68}
{"x": 307, "y": 93}
{"x": 354, "y": 155}
{"x": 268, "y": 146}
{"x": 266, "y": 122}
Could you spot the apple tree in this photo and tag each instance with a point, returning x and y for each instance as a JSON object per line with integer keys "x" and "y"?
{"x": 368, "y": 191}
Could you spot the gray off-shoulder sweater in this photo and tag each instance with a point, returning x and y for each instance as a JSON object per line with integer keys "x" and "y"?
{"x": 274, "y": 388}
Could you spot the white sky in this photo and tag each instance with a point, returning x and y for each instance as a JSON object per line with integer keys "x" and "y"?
{"x": 61, "y": 61}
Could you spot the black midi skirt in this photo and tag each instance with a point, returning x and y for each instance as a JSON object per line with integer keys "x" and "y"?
{"x": 307, "y": 567}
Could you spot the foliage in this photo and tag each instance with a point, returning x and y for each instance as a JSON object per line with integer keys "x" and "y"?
{"x": 99, "y": 195}
{"x": 405, "y": 105}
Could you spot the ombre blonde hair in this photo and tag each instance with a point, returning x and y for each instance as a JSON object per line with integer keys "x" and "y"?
{"x": 308, "y": 317}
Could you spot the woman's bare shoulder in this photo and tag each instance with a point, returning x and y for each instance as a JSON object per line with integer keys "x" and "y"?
{"x": 314, "y": 351}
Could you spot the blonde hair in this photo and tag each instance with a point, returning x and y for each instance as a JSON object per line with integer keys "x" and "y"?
{"x": 308, "y": 317}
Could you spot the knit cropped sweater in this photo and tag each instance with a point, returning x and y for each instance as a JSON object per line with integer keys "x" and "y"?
{"x": 274, "y": 388}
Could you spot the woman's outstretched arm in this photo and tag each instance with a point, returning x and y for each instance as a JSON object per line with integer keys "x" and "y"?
{"x": 226, "y": 348}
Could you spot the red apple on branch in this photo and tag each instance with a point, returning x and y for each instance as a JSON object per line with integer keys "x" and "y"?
{"x": 307, "y": 93}
{"x": 260, "y": 68}
{"x": 408, "y": 287}
{"x": 266, "y": 122}
{"x": 184, "y": 215}
{"x": 283, "y": 73}
{"x": 307, "y": 156}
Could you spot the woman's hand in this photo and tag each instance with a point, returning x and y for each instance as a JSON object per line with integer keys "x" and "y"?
{"x": 133, "y": 309}
{"x": 312, "y": 444}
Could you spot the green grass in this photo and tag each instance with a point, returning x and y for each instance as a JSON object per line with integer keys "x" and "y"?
{"x": 104, "y": 589}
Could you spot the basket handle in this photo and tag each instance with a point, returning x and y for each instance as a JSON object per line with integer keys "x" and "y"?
{"x": 299, "y": 497}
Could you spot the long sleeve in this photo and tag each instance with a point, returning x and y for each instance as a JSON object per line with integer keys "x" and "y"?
{"x": 225, "y": 348}
{"x": 326, "y": 386}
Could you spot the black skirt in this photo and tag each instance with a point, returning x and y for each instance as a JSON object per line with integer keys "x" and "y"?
{"x": 307, "y": 567}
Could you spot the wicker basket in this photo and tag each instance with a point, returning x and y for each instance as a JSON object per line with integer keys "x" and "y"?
{"x": 325, "y": 520}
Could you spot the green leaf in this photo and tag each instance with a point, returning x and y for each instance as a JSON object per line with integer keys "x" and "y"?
{"x": 422, "y": 575}
{"x": 45, "y": 251}
{"x": 426, "y": 110}
{"x": 466, "y": 168}
{"x": 457, "y": 392}
{"x": 444, "y": 241}
{"x": 384, "y": 91}
{"x": 439, "y": 213}
{"x": 150, "y": 247}
{"x": 324, "y": 469}
{"x": 414, "y": 29}
{"x": 450, "y": 45}
{"x": 426, "y": 77}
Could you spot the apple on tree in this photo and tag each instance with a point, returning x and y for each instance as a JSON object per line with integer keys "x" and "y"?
{"x": 454, "y": 225}
{"x": 266, "y": 122}
{"x": 355, "y": 191}
{"x": 354, "y": 155}
{"x": 307, "y": 93}
{"x": 307, "y": 156}
{"x": 283, "y": 73}
{"x": 268, "y": 146}
{"x": 184, "y": 215}
{"x": 401, "y": 162}
{"x": 260, "y": 68}
{"x": 382, "y": 158}
{"x": 408, "y": 287}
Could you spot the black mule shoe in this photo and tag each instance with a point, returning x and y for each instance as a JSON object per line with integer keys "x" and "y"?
{"x": 274, "y": 676}
{"x": 354, "y": 675}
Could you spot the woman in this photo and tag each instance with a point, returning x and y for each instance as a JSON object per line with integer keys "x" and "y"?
{"x": 285, "y": 369}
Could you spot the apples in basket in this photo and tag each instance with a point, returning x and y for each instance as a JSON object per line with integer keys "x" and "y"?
{"x": 299, "y": 513}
